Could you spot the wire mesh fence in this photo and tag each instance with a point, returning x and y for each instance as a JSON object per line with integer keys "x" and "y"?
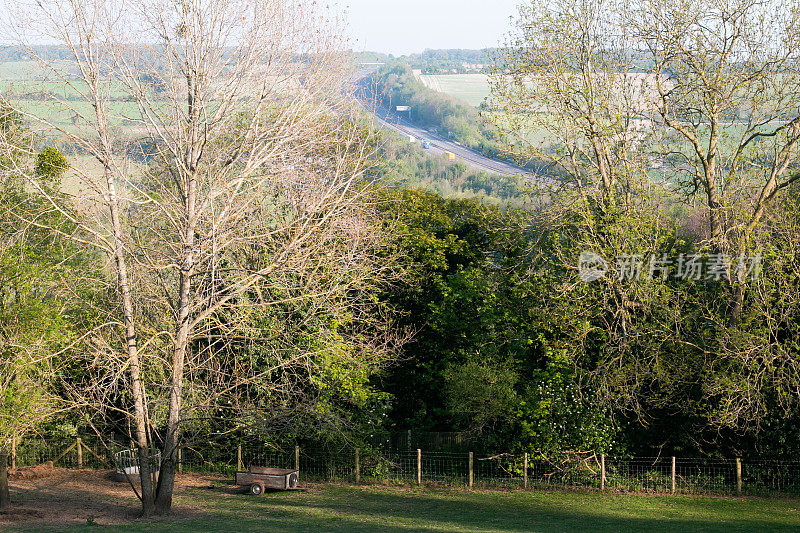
{"x": 459, "y": 469}
{"x": 64, "y": 452}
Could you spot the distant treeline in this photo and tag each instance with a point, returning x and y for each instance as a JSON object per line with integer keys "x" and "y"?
{"x": 437, "y": 61}
{"x": 449, "y": 60}
{"x": 455, "y": 54}
{"x": 18, "y": 53}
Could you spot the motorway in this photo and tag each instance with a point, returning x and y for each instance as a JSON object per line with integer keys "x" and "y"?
{"x": 439, "y": 144}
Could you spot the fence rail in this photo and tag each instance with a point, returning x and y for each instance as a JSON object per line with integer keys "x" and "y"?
{"x": 581, "y": 471}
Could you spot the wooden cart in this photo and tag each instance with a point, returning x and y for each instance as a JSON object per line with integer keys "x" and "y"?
{"x": 259, "y": 478}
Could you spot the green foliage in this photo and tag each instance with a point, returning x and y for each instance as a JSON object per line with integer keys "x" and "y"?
{"x": 40, "y": 314}
{"x": 482, "y": 360}
{"x": 51, "y": 166}
{"x": 479, "y": 394}
{"x": 511, "y": 345}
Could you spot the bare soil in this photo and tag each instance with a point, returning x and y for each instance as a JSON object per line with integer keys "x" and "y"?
{"x": 33, "y": 472}
{"x": 44, "y": 496}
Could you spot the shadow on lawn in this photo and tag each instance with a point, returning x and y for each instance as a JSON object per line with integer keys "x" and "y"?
{"x": 353, "y": 509}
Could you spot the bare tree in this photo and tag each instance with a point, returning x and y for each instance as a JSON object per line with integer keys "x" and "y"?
{"x": 726, "y": 75}
{"x": 239, "y": 187}
{"x": 569, "y": 94}
{"x": 568, "y": 90}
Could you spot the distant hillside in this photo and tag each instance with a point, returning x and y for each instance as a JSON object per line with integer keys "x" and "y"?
{"x": 18, "y": 53}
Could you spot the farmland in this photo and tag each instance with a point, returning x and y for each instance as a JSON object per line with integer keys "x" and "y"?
{"x": 471, "y": 88}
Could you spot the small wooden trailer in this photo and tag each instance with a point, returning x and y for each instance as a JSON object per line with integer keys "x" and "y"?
{"x": 259, "y": 478}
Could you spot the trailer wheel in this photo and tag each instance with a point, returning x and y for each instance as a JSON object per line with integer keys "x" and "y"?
{"x": 293, "y": 480}
{"x": 256, "y": 489}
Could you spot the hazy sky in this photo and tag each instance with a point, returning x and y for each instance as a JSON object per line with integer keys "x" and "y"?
{"x": 403, "y": 26}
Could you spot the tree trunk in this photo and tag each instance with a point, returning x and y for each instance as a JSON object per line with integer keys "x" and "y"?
{"x": 714, "y": 190}
{"x": 5, "y": 498}
{"x": 131, "y": 348}
{"x": 169, "y": 455}
{"x": 166, "y": 479}
{"x": 716, "y": 222}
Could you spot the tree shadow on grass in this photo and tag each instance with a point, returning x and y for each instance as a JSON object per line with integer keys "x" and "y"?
{"x": 353, "y": 509}
{"x": 221, "y": 506}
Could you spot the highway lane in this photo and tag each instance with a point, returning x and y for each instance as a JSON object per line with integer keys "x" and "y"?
{"x": 439, "y": 144}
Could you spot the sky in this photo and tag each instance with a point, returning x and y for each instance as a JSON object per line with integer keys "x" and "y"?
{"x": 406, "y": 26}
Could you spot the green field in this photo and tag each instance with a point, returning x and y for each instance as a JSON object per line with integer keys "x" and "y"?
{"x": 34, "y": 90}
{"x": 471, "y": 88}
{"x": 21, "y": 70}
{"x": 338, "y": 508}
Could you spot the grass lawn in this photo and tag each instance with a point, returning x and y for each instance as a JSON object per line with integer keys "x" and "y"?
{"x": 341, "y": 508}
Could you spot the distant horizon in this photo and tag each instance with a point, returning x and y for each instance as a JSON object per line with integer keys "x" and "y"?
{"x": 58, "y": 46}
{"x": 420, "y": 52}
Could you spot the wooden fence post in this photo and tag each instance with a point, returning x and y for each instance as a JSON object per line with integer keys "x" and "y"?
{"x": 471, "y": 460}
{"x": 358, "y": 468}
{"x": 602, "y": 472}
{"x": 297, "y": 457}
{"x": 525, "y": 470}
{"x": 180, "y": 460}
{"x": 79, "y": 449}
{"x": 419, "y": 466}
{"x": 738, "y": 475}
{"x": 673, "y": 475}
{"x": 239, "y": 462}
{"x": 13, "y": 452}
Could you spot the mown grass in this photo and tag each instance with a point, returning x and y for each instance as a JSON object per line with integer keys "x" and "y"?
{"x": 338, "y": 508}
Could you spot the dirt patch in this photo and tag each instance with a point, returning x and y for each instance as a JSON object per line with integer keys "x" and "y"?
{"x": 61, "y": 497}
{"x": 34, "y": 472}
{"x": 19, "y": 513}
